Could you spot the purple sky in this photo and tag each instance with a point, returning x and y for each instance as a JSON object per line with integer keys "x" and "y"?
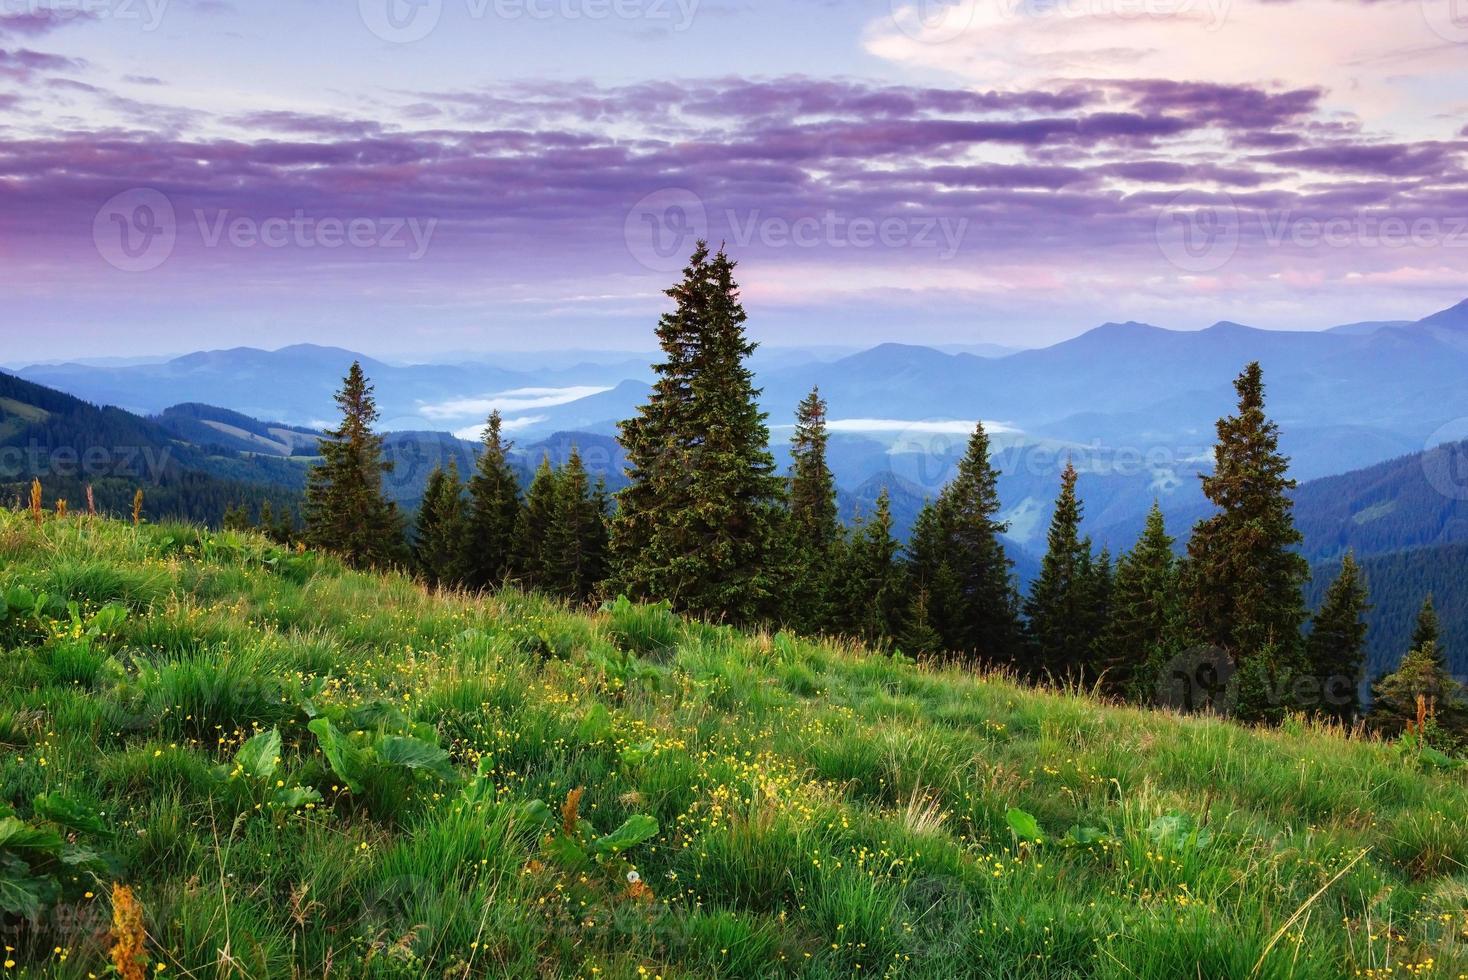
{"x": 411, "y": 176}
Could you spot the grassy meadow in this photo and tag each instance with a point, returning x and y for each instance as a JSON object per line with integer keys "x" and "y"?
{"x": 299, "y": 771}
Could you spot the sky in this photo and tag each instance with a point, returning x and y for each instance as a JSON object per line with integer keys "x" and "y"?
{"x": 410, "y": 177}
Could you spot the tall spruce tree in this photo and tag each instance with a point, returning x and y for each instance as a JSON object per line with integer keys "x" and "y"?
{"x": 1061, "y": 607}
{"x": 1245, "y": 578}
{"x": 1146, "y": 624}
{"x": 1336, "y": 646}
{"x": 576, "y": 543}
{"x": 813, "y": 526}
{"x": 869, "y": 595}
{"x": 936, "y": 620}
{"x": 532, "y": 528}
{"x": 1426, "y": 630}
{"x": 346, "y": 511}
{"x": 959, "y": 565}
{"x": 698, "y": 523}
{"x": 439, "y": 534}
{"x": 494, "y": 511}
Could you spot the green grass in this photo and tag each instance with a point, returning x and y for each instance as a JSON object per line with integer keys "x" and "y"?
{"x": 821, "y": 811}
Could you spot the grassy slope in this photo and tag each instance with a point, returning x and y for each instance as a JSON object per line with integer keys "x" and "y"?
{"x": 823, "y": 811}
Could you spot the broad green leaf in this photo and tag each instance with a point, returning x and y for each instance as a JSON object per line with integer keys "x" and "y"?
{"x": 295, "y": 797}
{"x": 596, "y": 726}
{"x": 18, "y": 836}
{"x": 260, "y": 755}
{"x": 566, "y": 852}
{"x": 1025, "y": 826}
{"x": 536, "y": 813}
{"x": 1079, "y": 836}
{"x": 68, "y": 813}
{"x": 412, "y": 753}
{"x": 634, "y": 831}
{"x": 24, "y": 896}
{"x": 1177, "y": 830}
{"x": 345, "y": 759}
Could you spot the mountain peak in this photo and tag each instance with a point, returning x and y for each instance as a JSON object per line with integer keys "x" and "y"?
{"x": 1453, "y": 316}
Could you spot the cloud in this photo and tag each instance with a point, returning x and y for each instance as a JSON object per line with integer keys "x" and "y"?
{"x": 43, "y": 20}
{"x": 517, "y": 400}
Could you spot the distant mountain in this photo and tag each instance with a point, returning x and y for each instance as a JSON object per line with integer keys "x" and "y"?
{"x": 293, "y": 384}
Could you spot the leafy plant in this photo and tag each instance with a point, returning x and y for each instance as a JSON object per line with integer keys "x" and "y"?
{"x": 41, "y": 860}
{"x": 257, "y": 761}
{"x": 591, "y": 865}
{"x": 380, "y": 766}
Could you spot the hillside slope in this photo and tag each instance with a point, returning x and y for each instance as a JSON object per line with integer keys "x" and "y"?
{"x": 69, "y": 444}
{"x": 306, "y": 772}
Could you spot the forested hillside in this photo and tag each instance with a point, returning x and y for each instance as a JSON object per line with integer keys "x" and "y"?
{"x": 70, "y": 445}
{"x": 1398, "y": 582}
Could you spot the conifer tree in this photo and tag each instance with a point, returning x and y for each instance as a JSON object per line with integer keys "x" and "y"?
{"x": 1145, "y": 627}
{"x": 869, "y": 594}
{"x": 813, "y": 517}
{"x": 1099, "y": 594}
{"x": 533, "y": 526}
{"x": 919, "y": 635}
{"x": 813, "y": 526}
{"x": 439, "y": 533}
{"x": 1336, "y": 646}
{"x": 1245, "y": 578}
{"x": 494, "y": 510}
{"x": 1426, "y": 629}
{"x": 1061, "y": 605}
{"x": 697, "y": 525}
{"x": 576, "y": 543}
{"x": 929, "y": 568}
{"x": 345, "y": 509}
{"x": 1422, "y": 685}
{"x": 957, "y": 560}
